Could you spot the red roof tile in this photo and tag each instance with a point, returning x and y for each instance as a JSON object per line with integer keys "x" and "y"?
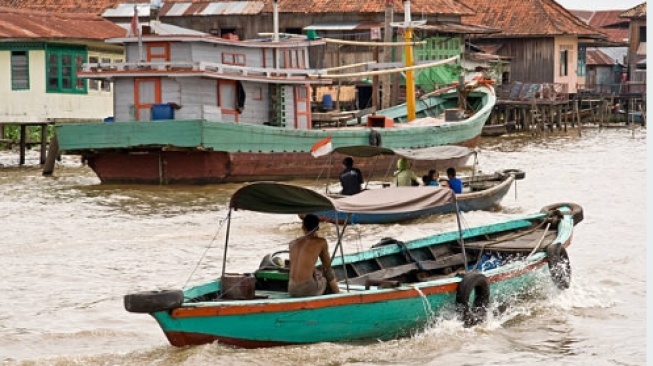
{"x": 27, "y": 24}
{"x": 608, "y": 22}
{"x": 449, "y": 7}
{"x": 638, "y": 11}
{"x": 528, "y": 18}
{"x": 598, "y": 58}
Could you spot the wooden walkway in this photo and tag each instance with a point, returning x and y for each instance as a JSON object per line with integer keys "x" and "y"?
{"x": 23, "y": 142}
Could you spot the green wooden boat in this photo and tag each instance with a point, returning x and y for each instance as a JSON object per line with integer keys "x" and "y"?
{"x": 202, "y": 109}
{"x": 390, "y": 290}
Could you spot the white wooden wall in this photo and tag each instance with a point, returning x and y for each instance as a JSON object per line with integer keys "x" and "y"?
{"x": 36, "y": 105}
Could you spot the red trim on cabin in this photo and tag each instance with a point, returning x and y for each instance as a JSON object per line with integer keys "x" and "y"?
{"x": 229, "y": 110}
{"x": 306, "y": 101}
{"x": 138, "y": 106}
{"x": 229, "y": 58}
{"x": 152, "y": 55}
{"x": 257, "y": 94}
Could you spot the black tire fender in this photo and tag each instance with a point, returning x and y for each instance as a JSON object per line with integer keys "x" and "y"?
{"x": 559, "y": 265}
{"x": 517, "y": 173}
{"x": 375, "y": 138}
{"x": 473, "y": 298}
{"x": 576, "y": 210}
{"x": 153, "y": 301}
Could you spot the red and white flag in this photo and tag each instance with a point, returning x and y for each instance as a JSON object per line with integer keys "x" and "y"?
{"x": 133, "y": 26}
{"x": 322, "y": 147}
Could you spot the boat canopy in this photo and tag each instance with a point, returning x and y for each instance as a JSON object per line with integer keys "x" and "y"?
{"x": 271, "y": 197}
{"x": 428, "y": 153}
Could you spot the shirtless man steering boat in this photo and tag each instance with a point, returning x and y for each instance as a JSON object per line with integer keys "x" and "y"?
{"x": 305, "y": 279}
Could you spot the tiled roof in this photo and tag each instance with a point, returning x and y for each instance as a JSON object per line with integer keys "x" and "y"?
{"x": 63, "y": 6}
{"x": 449, "y": 7}
{"x": 598, "y": 58}
{"x": 528, "y": 18}
{"x": 27, "y": 24}
{"x": 608, "y": 22}
{"x": 638, "y": 11}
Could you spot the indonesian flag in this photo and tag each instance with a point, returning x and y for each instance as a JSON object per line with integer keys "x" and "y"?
{"x": 133, "y": 26}
{"x": 322, "y": 147}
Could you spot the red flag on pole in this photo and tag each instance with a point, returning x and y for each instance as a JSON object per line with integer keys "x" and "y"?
{"x": 322, "y": 147}
{"x": 133, "y": 26}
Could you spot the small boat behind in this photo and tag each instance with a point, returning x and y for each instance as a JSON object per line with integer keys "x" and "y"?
{"x": 383, "y": 204}
{"x": 461, "y": 272}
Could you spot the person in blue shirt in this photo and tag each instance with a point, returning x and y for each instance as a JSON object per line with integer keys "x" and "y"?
{"x": 431, "y": 179}
{"x": 454, "y": 182}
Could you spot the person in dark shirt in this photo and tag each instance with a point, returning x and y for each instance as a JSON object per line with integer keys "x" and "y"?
{"x": 351, "y": 178}
{"x": 454, "y": 182}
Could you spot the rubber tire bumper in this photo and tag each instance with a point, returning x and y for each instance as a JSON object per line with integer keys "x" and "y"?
{"x": 153, "y": 301}
{"x": 576, "y": 210}
{"x": 559, "y": 265}
{"x": 476, "y": 312}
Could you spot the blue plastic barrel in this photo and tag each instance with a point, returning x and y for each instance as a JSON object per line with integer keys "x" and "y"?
{"x": 162, "y": 111}
{"x": 327, "y": 102}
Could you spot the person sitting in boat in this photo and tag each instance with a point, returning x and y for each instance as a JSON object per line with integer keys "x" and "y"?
{"x": 431, "y": 179}
{"x": 351, "y": 178}
{"x": 305, "y": 279}
{"x": 404, "y": 176}
{"x": 454, "y": 182}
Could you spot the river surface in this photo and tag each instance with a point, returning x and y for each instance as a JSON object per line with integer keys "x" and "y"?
{"x": 70, "y": 248}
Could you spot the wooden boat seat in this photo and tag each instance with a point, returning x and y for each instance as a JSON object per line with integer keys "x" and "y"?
{"x": 514, "y": 243}
{"x": 427, "y": 265}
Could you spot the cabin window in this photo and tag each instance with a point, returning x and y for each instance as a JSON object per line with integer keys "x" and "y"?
{"x": 642, "y": 34}
{"x": 158, "y": 52}
{"x": 581, "y": 61}
{"x": 19, "y": 70}
{"x": 233, "y": 59}
{"x": 62, "y": 68}
{"x": 92, "y": 83}
{"x": 564, "y": 62}
{"x": 105, "y": 84}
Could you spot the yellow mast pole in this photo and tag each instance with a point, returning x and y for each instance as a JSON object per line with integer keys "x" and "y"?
{"x": 410, "y": 77}
{"x": 408, "y": 25}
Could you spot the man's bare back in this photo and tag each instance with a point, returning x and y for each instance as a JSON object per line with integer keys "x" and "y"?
{"x": 304, "y": 252}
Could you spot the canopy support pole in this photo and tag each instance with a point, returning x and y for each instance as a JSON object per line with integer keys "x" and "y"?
{"x": 460, "y": 232}
{"x": 226, "y": 243}
{"x": 340, "y": 234}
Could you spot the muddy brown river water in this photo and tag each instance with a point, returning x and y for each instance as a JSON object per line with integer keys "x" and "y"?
{"x": 70, "y": 248}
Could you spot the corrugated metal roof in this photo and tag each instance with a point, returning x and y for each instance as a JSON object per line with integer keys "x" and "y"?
{"x": 236, "y": 7}
{"x": 127, "y": 10}
{"x": 343, "y": 26}
{"x": 177, "y": 10}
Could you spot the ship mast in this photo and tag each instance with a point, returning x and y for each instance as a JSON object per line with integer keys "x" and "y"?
{"x": 409, "y": 61}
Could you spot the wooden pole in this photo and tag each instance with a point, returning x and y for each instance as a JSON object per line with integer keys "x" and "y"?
{"x": 375, "y": 83}
{"x": 53, "y": 153}
{"x": 23, "y": 138}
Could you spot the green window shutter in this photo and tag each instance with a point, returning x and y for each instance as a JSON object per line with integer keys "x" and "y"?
{"x": 19, "y": 70}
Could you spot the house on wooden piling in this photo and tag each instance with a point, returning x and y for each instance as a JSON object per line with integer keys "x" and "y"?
{"x": 544, "y": 41}
{"x": 637, "y": 45}
{"x": 40, "y": 55}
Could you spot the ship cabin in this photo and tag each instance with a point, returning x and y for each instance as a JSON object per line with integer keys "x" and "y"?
{"x": 177, "y": 73}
